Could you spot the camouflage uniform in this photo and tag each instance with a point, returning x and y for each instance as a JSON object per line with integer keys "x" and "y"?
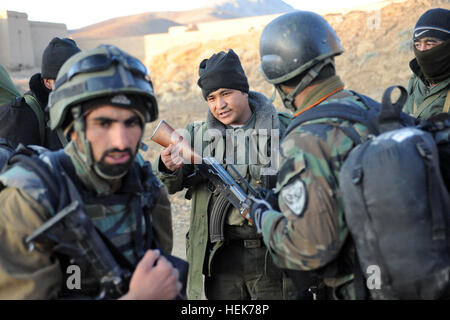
{"x": 310, "y": 232}
{"x": 425, "y": 101}
{"x": 229, "y": 262}
{"x": 26, "y": 206}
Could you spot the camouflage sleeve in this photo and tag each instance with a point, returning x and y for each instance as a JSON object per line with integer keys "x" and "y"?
{"x": 309, "y": 231}
{"x": 24, "y": 274}
{"x": 162, "y": 221}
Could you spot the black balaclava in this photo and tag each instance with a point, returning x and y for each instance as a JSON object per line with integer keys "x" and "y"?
{"x": 222, "y": 70}
{"x": 434, "y": 62}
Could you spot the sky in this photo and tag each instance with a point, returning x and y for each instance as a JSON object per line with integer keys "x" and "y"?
{"x": 80, "y": 13}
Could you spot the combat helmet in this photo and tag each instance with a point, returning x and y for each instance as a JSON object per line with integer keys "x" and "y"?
{"x": 102, "y": 72}
{"x": 99, "y": 72}
{"x": 300, "y": 42}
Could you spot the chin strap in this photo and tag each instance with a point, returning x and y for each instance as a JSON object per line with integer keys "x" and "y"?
{"x": 289, "y": 99}
{"x": 80, "y": 128}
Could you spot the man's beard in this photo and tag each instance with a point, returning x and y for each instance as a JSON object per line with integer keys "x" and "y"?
{"x": 114, "y": 170}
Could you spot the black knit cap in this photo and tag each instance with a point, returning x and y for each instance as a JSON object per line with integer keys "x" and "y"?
{"x": 222, "y": 70}
{"x": 433, "y": 23}
{"x": 57, "y": 52}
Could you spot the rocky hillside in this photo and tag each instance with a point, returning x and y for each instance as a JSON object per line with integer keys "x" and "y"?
{"x": 377, "y": 47}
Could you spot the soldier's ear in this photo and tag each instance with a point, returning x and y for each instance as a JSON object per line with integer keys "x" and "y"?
{"x": 48, "y": 83}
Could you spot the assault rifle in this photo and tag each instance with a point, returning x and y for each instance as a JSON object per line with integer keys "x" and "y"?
{"x": 72, "y": 232}
{"x": 209, "y": 170}
{"x": 74, "y": 225}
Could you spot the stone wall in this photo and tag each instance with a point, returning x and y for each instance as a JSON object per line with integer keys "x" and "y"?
{"x": 23, "y": 41}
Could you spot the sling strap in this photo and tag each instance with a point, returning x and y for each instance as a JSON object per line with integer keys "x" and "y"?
{"x": 36, "y": 107}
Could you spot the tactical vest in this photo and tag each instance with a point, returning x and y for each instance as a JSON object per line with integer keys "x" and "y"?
{"x": 124, "y": 217}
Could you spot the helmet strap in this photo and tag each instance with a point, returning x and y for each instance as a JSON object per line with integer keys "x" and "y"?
{"x": 80, "y": 128}
{"x": 289, "y": 99}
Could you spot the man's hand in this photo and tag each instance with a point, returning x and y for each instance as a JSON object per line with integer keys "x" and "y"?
{"x": 152, "y": 281}
{"x": 171, "y": 157}
{"x": 259, "y": 207}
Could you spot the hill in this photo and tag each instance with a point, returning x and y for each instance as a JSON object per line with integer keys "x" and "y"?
{"x": 377, "y": 45}
{"x": 160, "y": 22}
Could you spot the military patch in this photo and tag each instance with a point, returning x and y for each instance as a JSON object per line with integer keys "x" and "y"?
{"x": 294, "y": 196}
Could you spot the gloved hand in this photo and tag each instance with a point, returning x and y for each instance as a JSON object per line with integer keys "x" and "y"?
{"x": 269, "y": 196}
{"x": 259, "y": 207}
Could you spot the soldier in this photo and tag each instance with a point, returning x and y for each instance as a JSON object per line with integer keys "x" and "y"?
{"x": 25, "y": 119}
{"x": 102, "y": 99}
{"x": 237, "y": 267}
{"x": 304, "y": 228}
{"x": 429, "y": 85}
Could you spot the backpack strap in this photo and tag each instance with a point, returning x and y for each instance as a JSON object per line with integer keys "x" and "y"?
{"x": 36, "y": 107}
{"x": 378, "y": 117}
{"x": 29, "y": 158}
{"x": 425, "y": 104}
{"x": 344, "y": 111}
{"x": 428, "y": 101}
{"x": 411, "y": 90}
{"x": 6, "y": 144}
{"x": 390, "y": 115}
{"x": 446, "y": 108}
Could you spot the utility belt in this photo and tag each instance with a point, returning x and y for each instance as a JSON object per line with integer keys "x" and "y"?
{"x": 245, "y": 243}
{"x": 244, "y": 236}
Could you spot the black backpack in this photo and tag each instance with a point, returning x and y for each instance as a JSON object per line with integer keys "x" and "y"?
{"x": 16, "y": 120}
{"x": 396, "y": 204}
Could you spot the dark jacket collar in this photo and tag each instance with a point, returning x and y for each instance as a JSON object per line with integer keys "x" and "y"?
{"x": 39, "y": 90}
{"x": 415, "y": 68}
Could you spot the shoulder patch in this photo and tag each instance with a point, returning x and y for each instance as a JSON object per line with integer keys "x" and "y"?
{"x": 294, "y": 196}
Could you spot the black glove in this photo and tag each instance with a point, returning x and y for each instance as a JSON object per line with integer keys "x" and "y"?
{"x": 259, "y": 207}
{"x": 270, "y": 197}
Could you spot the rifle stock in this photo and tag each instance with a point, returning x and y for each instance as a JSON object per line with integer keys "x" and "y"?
{"x": 165, "y": 135}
